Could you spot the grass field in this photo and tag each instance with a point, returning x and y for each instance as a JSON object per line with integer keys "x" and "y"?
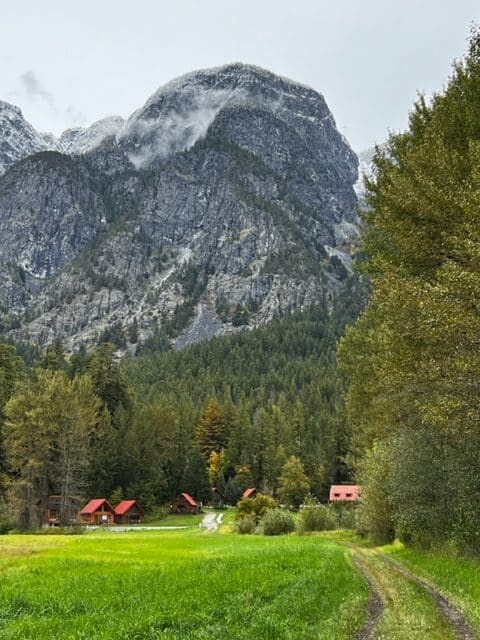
{"x": 458, "y": 578}
{"x": 177, "y": 585}
{"x": 178, "y": 520}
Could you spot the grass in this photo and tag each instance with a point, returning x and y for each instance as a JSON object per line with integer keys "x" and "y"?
{"x": 177, "y": 585}
{"x": 458, "y": 578}
{"x": 178, "y": 520}
{"x": 410, "y": 612}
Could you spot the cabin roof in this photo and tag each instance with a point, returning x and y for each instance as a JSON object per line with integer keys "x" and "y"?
{"x": 191, "y": 501}
{"x": 95, "y": 504}
{"x": 248, "y": 492}
{"x": 345, "y": 492}
{"x": 123, "y": 506}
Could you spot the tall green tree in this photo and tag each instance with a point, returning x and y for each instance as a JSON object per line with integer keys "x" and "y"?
{"x": 413, "y": 356}
{"x": 46, "y": 441}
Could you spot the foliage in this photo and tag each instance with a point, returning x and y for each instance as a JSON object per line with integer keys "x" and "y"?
{"x": 277, "y": 522}
{"x": 293, "y": 483}
{"x": 316, "y": 517}
{"x": 413, "y": 355}
{"x": 247, "y": 524}
{"x": 254, "y": 507}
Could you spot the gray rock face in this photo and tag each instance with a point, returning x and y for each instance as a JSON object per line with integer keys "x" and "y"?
{"x": 226, "y": 199}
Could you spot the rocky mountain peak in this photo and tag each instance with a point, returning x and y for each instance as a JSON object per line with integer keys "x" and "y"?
{"x": 18, "y": 138}
{"x": 226, "y": 199}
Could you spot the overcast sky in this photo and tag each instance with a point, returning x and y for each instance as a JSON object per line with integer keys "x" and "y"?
{"x": 67, "y": 63}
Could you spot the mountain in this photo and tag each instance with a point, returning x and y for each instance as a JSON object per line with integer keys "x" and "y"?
{"x": 83, "y": 139}
{"x": 225, "y": 200}
{"x": 18, "y": 138}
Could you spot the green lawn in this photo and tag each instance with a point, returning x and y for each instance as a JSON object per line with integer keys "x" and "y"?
{"x": 177, "y": 585}
{"x": 458, "y": 578}
{"x": 178, "y": 520}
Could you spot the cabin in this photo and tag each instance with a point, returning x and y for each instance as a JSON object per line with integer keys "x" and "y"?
{"x": 52, "y": 513}
{"x": 128, "y": 512}
{"x": 249, "y": 493}
{"x": 184, "y": 503}
{"x": 218, "y": 497}
{"x": 344, "y": 492}
{"x": 97, "y": 511}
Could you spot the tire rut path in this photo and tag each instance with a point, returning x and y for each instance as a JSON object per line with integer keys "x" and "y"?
{"x": 376, "y": 605}
{"x": 454, "y": 615}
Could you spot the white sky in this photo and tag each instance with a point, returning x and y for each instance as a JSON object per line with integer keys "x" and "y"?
{"x": 69, "y": 62}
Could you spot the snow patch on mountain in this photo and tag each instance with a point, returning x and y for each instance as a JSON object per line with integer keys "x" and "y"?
{"x": 80, "y": 140}
{"x": 18, "y": 138}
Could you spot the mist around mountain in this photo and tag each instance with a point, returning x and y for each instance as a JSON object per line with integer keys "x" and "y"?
{"x": 226, "y": 200}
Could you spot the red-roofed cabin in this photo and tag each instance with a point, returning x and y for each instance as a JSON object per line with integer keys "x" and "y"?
{"x": 184, "y": 503}
{"x": 344, "y": 492}
{"x": 249, "y": 493}
{"x": 128, "y": 512}
{"x": 97, "y": 511}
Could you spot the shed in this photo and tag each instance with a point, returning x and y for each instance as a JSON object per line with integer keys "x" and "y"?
{"x": 97, "y": 511}
{"x": 218, "y": 497}
{"x": 184, "y": 503}
{"x": 249, "y": 493}
{"x": 344, "y": 492}
{"x": 52, "y": 514}
{"x": 128, "y": 512}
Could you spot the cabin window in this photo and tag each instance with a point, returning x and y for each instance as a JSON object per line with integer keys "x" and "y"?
{"x": 349, "y": 495}
{"x": 336, "y": 495}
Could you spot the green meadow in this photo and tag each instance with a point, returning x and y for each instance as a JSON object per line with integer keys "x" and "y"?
{"x": 178, "y": 585}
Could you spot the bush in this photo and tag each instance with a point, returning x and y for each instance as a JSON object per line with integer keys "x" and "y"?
{"x": 317, "y": 517}
{"x": 276, "y": 522}
{"x": 246, "y": 525}
{"x": 255, "y": 507}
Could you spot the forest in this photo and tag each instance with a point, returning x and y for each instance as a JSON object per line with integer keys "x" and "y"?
{"x": 233, "y": 412}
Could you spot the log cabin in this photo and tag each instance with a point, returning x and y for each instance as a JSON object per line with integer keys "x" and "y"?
{"x": 97, "y": 511}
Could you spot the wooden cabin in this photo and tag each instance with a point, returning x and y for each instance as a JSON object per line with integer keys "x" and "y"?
{"x": 218, "y": 497}
{"x": 184, "y": 503}
{"x": 52, "y": 514}
{"x": 344, "y": 492}
{"x": 97, "y": 511}
{"x": 128, "y": 512}
{"x": 249, "y": 493}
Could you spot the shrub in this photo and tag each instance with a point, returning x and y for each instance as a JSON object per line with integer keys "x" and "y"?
{"x": 256, "y": 507}
{"x": 246, "y": 525}
{"x": 276, "y": 522}
{"x": 317, "y": 517}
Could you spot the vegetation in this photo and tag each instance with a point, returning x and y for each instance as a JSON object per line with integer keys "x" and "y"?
{"x": 413, "y": 355}
{"x": 224, "y": 585}
{"x": 457, "y": 577}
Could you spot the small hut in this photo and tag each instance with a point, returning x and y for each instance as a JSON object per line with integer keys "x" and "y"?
{"x": 218, "y": 497}
{"x": 128, "y": 512}
{"x": 97, "y": 511}
{"x": 184, "y": 503}
{"x": 344, "y": 492}
{"x": 249, "y": 493}
{"x": 52, "y": 514}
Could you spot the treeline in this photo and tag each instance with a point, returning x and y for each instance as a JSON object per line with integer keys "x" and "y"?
{"x": 413, "y": 356}
{"x": 233, "y": 412}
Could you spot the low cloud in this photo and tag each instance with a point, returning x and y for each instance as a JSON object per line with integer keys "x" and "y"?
{"x": 33, "y": 89}
{"x": 161, "y": 137}
{"x": 35, "y": 97}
